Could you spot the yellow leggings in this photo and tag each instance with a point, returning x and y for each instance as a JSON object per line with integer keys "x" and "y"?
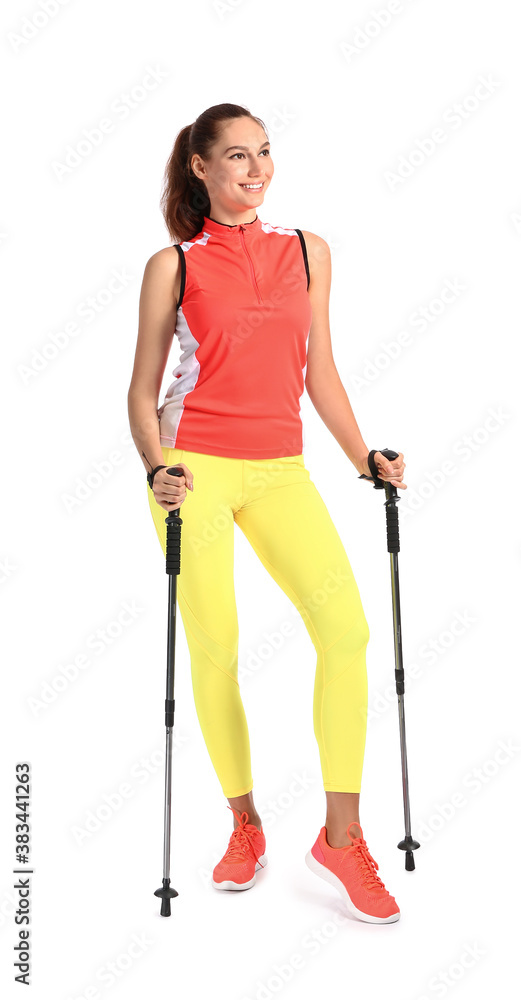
{"x": 283, "y": 516}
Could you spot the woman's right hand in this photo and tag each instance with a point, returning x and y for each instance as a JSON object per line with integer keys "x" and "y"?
{"x": 170, "y": 491}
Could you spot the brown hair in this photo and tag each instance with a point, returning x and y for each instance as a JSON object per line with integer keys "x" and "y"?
{"x": 184, "y": 197}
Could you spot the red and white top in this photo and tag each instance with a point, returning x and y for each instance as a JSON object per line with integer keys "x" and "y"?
{"x": 243, "y": 323}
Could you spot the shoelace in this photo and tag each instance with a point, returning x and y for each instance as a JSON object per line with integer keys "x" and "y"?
{"x": 241, "y": 840}
{"x": 367, "y": 871}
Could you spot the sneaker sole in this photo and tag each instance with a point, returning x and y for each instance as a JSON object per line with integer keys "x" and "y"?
{"x": 333, "y": 880}
{"x": 228, "y": 884}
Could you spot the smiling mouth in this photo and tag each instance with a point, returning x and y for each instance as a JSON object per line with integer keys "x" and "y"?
{"x": 252, "y": 187}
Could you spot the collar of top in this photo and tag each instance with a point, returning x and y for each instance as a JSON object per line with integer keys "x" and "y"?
{"x": 223, "y": 229}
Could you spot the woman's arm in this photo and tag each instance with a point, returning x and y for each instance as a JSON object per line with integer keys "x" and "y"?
{"x": 323, "y": 382}
{"x": 157, "y": 320}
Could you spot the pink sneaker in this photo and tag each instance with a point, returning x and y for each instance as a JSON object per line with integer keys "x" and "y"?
{"x": 243, "y": 857}
{"x": 352, "y": 871}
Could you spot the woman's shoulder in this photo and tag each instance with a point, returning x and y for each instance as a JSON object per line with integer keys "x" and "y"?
{"x": 318, "y": 253}
{"x": 163, "y": 264}
{"x": 164, "y": 259}
{"x": 162, "y": 269}
{"x": 314, "y": 242}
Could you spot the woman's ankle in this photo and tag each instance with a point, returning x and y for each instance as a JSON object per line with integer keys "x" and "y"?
{"x": 255, "y": 820}
{"x": 336, "y": 834}
{"x": 244, "y": 804}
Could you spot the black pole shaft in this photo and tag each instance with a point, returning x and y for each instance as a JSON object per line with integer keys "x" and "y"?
{"x": 400, "y": 686}
{"x": 173, "y": 567}
{"x": 169, "y": 719}
{"x": 393, "y": 547}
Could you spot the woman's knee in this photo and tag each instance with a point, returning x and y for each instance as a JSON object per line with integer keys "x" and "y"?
{"x": 356, "y": 637}
{"x": 340, "y": 616}
{"x": 345, "y": 655}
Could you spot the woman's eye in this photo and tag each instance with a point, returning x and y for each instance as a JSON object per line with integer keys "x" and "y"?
{"x": 242, "y": 154}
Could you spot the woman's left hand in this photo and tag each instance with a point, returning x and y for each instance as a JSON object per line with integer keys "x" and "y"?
{"x": 390, "y": 471}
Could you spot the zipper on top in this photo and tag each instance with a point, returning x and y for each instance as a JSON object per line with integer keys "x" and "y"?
{"x": 253, "y": 278}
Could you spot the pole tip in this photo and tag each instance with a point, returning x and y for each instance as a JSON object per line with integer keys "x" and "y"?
{"x": 408, "y": 845}
{"x": 166, "y": 893}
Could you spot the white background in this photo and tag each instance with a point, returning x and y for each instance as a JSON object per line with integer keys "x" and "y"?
{"x": 342, "y": 121}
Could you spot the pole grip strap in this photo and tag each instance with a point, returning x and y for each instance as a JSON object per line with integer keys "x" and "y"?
{"x": 379, "y": 484}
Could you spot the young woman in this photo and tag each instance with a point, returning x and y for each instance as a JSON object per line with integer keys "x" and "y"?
{"x": 249, "y": 302}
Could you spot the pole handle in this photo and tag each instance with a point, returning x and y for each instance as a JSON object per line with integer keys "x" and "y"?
{"x": 391, "y": 510}
{"x": 173, "y": 533}
{"x": 391, "y": 497}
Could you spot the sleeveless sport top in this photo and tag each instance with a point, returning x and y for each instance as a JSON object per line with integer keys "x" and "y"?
{"x": 243, "y": 322}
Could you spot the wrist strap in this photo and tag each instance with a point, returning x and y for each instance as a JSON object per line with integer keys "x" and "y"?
{"x": 372, "y": 464}
{"x": 150, "y": 475}
{"x": 378, "y": 483}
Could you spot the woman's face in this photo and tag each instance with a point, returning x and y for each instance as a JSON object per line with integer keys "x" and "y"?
{"x": 229, "y": 169}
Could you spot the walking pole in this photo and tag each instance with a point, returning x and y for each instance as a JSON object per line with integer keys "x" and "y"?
{"x": 173, "y": 564}
{"x": 393, "y": 547}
